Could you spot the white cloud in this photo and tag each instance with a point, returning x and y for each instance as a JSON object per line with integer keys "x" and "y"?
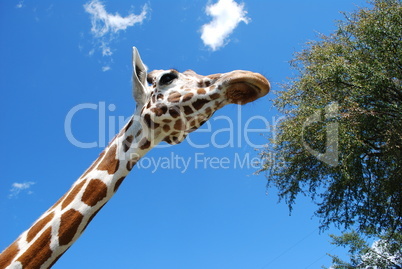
{"x": 17, "y": 187}
{"x": 226, "y": 14}
{"x": 106, "y": 25}
{"x": 105, "y": 68}
{"x": 20, "y": 4}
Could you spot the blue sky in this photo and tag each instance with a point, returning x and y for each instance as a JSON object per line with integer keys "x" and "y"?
{"x": 60, "y": 55}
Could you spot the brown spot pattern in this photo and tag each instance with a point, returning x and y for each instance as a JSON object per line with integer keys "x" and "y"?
{"x": 38, "y": 226}
{"x": 69, "y": 223}
{"x": 167, "y": 140}
{"x": 187, "y": 97}
{"x": 128, "y": 125}
{"x": 159, "y": 109}
{"x": 138, "y": 133}
{"x": 144, "y": 143}
{"x": 8, "y": 255}
{"x": 72, "y": 194}
{"x": 202, "y": 122}
{"x": 174, "y": 97}
{"x": 199, "y": 103}
{"x": 118, "y": 183}
{"x": 127, "y": 143}
{"x": 38, "y": 252}
{"x": 179, "y": 125}
{"x": 149, "y": 122}
{"x": 214, "y": 96}
{"x": 166, "y": 128}
{"x": 110, "y": 163}
{"x": 130, "y": 164}
{"x": 94, "y": 192}
{"x": 201, "y": 91}
{"x": 174, "y": 111}
{"x": 218, "y": 105}
{"x": 147, "y": 119}
{"x": 187, "y": 110}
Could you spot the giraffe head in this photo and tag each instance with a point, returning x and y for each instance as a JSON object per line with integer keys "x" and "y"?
{"x": 173, "y": 104}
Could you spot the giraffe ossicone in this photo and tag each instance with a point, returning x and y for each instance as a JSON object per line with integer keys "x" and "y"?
{"x": 169, "y": 105}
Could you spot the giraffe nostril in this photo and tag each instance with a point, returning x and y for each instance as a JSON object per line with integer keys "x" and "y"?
{"x": 243, "y": 87}
{"x": 241, "y": 93}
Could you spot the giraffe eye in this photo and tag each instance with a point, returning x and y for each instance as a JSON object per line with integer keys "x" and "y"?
{"x": 166, "y": 79}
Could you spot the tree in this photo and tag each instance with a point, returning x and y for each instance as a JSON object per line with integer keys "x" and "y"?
{"x": 341, "y": 140}
{"x": 385, "y": 253}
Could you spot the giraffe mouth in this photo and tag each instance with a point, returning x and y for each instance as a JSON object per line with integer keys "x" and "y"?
{"x": 243, "y": 87}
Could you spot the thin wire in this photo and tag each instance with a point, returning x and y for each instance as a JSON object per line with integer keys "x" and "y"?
{"x": 290, "y": 248}
{"x": 322, "y": 256}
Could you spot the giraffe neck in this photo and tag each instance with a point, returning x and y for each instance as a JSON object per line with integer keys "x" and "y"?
{"x": 57, "y": 229}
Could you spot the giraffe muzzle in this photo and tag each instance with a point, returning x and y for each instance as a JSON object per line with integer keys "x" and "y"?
{"x": 242, "y": 87}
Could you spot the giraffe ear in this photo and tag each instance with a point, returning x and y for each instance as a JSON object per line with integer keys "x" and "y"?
{"x": 139, "y": 78}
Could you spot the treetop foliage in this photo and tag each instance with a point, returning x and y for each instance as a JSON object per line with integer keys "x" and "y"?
{"x": 341, "y": 140}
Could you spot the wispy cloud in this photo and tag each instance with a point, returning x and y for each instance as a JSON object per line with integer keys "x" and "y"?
{"x": 20, "y": 4}
{"x": 226, "y": 15}
{"x": 17, "y": 187}
{"x": 105, "y": 26}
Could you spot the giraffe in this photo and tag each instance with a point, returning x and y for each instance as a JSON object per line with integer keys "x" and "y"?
{"x": 169, "y": 105}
